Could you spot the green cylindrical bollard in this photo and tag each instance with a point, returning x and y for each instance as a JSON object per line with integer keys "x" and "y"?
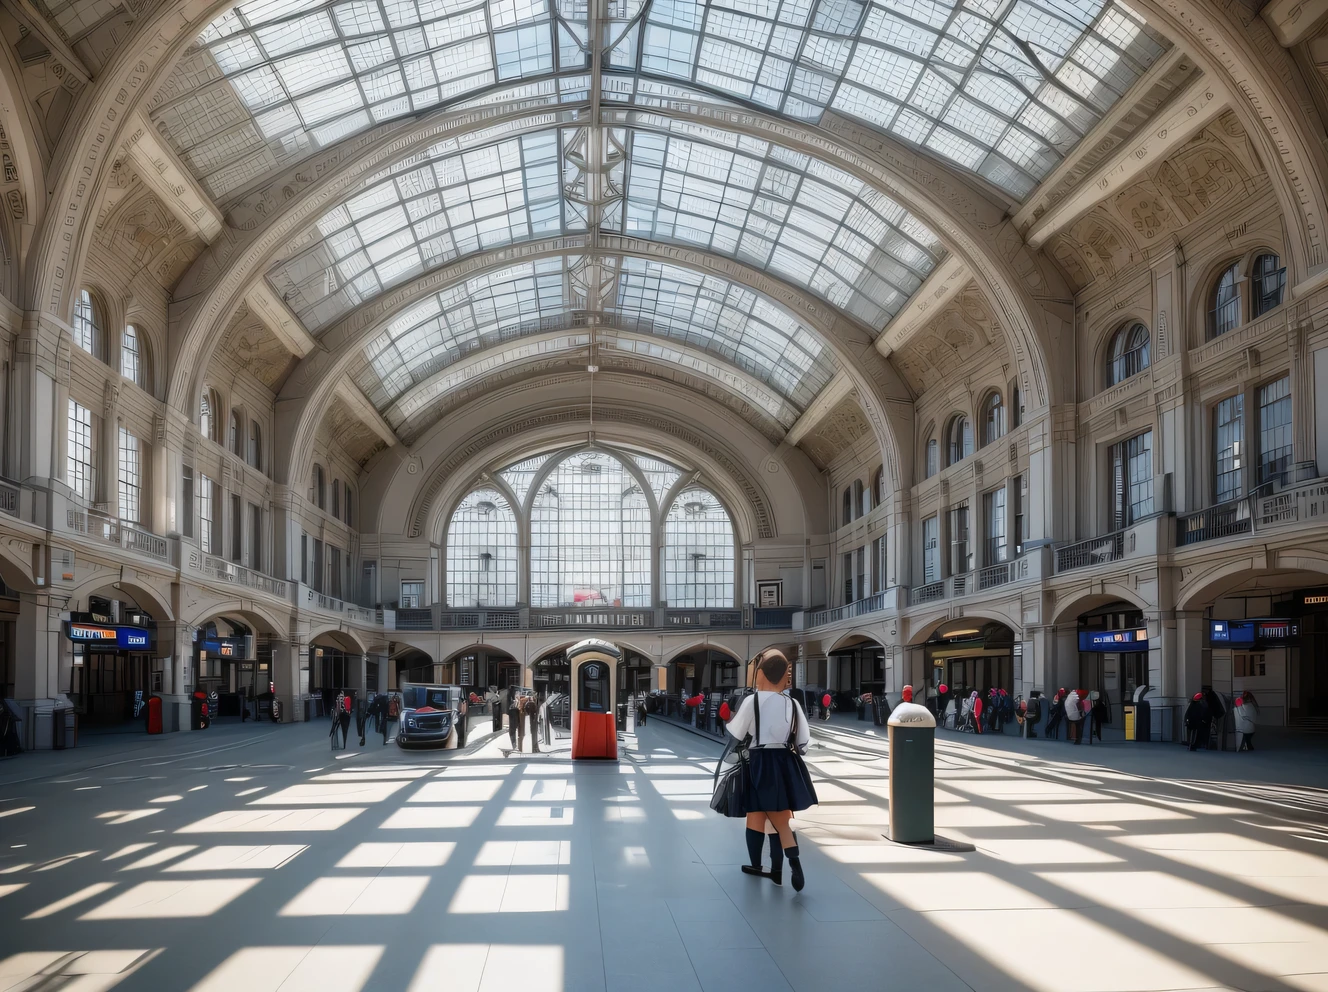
{"x": 912, "y": 774}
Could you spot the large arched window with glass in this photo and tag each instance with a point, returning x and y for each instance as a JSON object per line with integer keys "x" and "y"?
{"x": 1224, "y": 314}
{"x": 698, "y": 553}
{"x": 993, "y": 418}
{"x": 1128, "y": 353}
{"x": 482, "y": 551}
{"x": 590, "y": 535}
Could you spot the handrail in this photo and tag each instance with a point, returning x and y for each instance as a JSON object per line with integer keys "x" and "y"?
{"x": 1094, "y": 551}
{"x": 1222, "y": 520}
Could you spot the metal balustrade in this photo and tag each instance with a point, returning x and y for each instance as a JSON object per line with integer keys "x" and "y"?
{"x": 1223, "y": 520}
{"x": 1094, "y": 551}
{"x": 228, "y": 571}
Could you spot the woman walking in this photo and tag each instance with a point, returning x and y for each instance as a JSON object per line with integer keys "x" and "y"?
{"x": 777, "y": 781}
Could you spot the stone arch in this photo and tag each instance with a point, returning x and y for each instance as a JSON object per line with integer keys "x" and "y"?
{"x": 705, "y": 644}
{"x": 922, "y": 629}
{"x": 1201, "y": 589}
{"x": 755, "y": 521}
{"x": 310, "y": 387}
{"x": 345, "y": 638}
{"x": 249, "y": 612}
{"x": 1088, "y": 599}
{"x": 114, "y": 586}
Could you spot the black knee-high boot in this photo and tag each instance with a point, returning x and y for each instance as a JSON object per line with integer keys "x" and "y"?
{"x": 795, "y": 867}
{"x": 755, "y": 839}
{"x": 777, "y": 859}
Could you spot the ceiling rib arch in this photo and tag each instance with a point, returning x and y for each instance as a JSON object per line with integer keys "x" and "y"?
{"x": 306, "y": 391}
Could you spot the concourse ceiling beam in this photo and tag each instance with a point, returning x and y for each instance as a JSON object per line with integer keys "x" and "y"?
{"x": 836, "y": 390}
{"x": 941, "y": 286}
{"x": 1189, "y": 112}
{"x": 359, "y": 405}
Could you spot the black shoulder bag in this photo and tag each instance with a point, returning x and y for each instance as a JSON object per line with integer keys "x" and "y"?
{"x": 729, "y": 797}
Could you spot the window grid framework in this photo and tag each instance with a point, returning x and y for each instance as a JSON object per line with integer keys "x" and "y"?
{"x": 131, "y": 477}
{"x": 994, "y": 514}
{"x": 80, "y": 457}
{"x": 698, "y": 553}
{"x": 1004, "y": 90}
{"x": 1275, "y": 443}
{"x": 87, "y": 325}
{"x": 1228, "y": 437}
{"x": 131, "y": 356}
{"x": 1132, "y": 479}
{"x": 590, "y": 536}
{"x": 207, "y": 514}
{"x": 482, "y": 551}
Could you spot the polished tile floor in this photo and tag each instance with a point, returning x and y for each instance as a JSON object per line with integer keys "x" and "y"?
{"x": 249, "y": 859}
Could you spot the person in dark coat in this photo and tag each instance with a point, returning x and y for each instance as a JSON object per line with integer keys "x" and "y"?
{"x": 1055, "y": 714}
{"x": 1198, "y": 721}
{"x": 510, "y": 700}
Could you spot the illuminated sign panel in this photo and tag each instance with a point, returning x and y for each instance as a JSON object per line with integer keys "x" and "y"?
{"x": 1135, "y": 639}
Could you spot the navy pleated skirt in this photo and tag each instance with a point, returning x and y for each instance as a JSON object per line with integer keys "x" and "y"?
{"x": 777, "y": 780}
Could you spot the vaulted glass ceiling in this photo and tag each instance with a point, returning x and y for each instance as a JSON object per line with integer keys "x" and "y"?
{"x": 767, "y": 206}
{"x": 1003, "y": 88}
{"x": 649, "y": 301}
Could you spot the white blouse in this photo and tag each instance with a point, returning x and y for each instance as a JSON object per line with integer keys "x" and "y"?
{"x": 777, "y": 714}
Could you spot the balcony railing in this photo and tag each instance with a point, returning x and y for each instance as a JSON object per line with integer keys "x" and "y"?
{"x": 228, "y": 571}
{"x": 9, "y": 498}
{"x": 1223, "y": 520}
{"x": 929, "y": 593}
{"x": 103, "y": 527}
{"x": 1094, "y": 551}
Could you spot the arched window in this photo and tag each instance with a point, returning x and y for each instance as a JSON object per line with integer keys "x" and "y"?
{"x": 1127, "y": 354}
{"x": 255, "y": 444}
{"x": 698, "y": 553}
{"x": 235, "y": 434}
{"x": 959, "y": 439}
{"x": 590, "y": 535}
{"x": 993, "y": 418}
{"x": 1225, "y": 312}
{"x": 481, "y": 551}
{"x": 320, "y": 490}
{"x": 1269, "y": 283}
{"x": 87, "y": 325}
{"x": 131, "y": 356}
{"x": 209, "y": 414}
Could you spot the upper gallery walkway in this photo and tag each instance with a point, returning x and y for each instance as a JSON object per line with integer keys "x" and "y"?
{"x": 267, "y": 862}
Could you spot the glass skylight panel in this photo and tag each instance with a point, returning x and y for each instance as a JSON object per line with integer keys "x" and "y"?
{"x": 780, "y": 211}
{"x": 1001, "y": 87}
{"x": 424, "y": 214}
{"x": 268, "y": 83}
{"x": 464, "y": 318}
{"x": 729, "y": 320}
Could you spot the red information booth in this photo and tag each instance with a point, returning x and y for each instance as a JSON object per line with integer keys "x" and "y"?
{"x": 594, "y": 670}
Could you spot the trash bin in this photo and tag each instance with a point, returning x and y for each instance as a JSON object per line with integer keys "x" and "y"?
{"x": 60, "y": 728}
{"x": 912, "y": 730}
{"x": 154, "y": 715}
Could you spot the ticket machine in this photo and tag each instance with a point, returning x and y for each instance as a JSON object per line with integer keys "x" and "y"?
{"x": 594, "y": 671}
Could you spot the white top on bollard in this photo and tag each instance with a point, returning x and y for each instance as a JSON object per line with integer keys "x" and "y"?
{"x": 911, "y": 715}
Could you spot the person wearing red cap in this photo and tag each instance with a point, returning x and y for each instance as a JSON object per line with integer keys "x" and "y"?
{"x": 1197, "y": 722}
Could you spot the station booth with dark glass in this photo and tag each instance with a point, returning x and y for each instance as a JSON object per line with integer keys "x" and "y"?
{"x": 113, "y": 670}
{"x": 1113, "y": 655}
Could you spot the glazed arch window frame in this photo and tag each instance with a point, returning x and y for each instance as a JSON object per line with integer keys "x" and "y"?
{"x": 1129, "y": 352}
{"x": 958, "y": 439}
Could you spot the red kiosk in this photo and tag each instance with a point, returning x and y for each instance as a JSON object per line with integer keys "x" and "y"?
{"x": 594, "y": 672}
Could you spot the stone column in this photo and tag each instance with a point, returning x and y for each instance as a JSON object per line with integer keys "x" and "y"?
{"x": 289, "y": 659}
